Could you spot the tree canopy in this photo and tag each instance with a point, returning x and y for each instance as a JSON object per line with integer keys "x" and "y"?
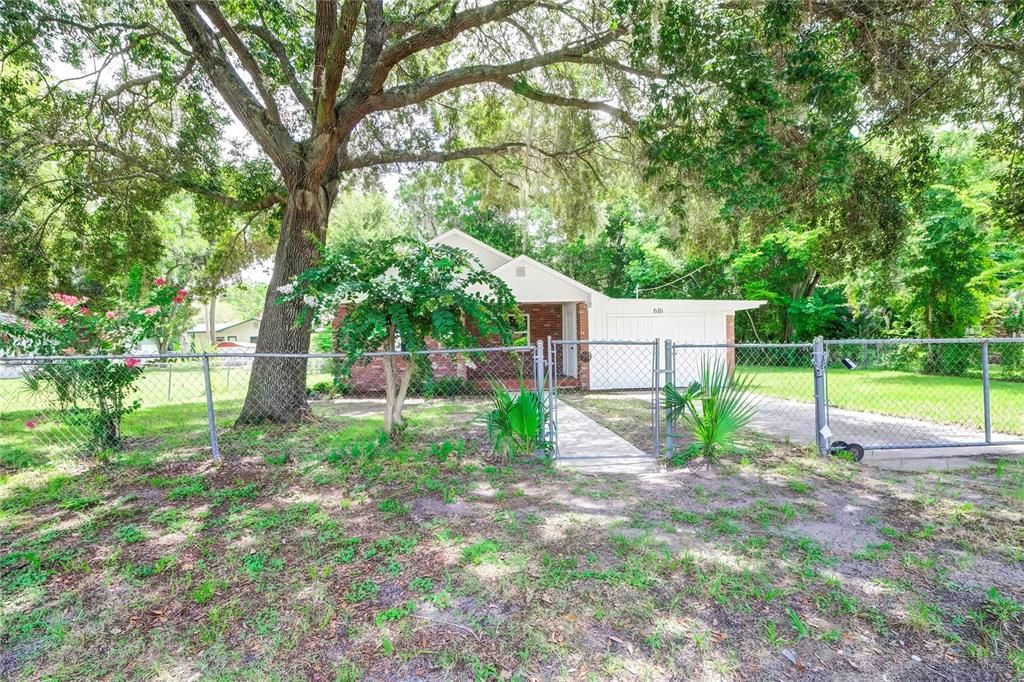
{"x": 791, "y": 132}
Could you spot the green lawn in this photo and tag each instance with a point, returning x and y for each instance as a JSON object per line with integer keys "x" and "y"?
{"x": 948, "y": 400}
{"x": 356, "y": 557}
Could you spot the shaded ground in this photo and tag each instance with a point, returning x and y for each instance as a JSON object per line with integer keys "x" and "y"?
{"x": 357, "y": 559}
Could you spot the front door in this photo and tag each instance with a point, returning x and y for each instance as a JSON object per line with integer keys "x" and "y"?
{"x": 569, "y": 350}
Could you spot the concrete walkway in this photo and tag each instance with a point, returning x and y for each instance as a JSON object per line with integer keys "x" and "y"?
{"x": 589, "y": 447}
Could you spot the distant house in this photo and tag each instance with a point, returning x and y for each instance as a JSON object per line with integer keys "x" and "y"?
{"x": 231, "y": 334}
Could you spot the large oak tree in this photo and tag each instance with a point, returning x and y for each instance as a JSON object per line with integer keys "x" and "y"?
{"x": 754, "y": 102}
{"x": 322, "y": 88}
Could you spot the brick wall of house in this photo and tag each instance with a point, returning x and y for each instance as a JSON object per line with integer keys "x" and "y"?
{"x": 545, "y": 320}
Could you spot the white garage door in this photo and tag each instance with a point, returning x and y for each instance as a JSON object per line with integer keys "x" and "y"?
{"x": 630, "y": 367}
{"x": 680, "y": 327}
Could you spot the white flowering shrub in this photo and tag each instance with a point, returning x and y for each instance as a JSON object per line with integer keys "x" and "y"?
{"x": 403, "y": 289}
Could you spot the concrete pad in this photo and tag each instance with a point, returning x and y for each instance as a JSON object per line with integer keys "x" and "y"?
{"x": 589, "y": 447}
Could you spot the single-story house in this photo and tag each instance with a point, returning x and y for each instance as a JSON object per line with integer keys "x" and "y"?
{"x": 242, "y": 333}
{"x": 559, "y": 307}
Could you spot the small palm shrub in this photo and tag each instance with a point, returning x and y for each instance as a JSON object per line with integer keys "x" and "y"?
{"x": 515, "y": 421}
{"x": 714, "y": 408}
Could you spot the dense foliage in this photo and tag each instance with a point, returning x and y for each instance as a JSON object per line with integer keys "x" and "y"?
{"x": 396, "y": 295}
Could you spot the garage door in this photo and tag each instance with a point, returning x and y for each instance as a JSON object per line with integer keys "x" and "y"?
{"x": 680, "y": 327}
{"x": 630, "y": 367}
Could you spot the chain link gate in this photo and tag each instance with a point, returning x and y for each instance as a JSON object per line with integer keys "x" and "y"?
{"x": 904, "y": 394}
{"x": 589, "y": 383}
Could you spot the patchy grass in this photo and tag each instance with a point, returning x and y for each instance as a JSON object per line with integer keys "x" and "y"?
{"x": 358, "y": 557}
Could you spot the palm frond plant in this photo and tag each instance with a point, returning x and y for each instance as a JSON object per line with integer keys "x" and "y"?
{"x": 714, "y": 408}
{"x": 515, "y": 422}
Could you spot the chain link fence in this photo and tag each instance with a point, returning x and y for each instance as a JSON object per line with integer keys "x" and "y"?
{"x": 878, "y": 394}
{"x": 290, "y": 405}
{"x": 604, "y": 398}
{"x": 601, "y": 396}
{"x": 900, "y": 393}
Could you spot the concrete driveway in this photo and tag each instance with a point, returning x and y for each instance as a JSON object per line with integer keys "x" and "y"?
{"x": 794, "y": 421}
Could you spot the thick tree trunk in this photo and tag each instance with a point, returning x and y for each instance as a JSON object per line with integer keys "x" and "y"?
{"x": 277, "y": 385}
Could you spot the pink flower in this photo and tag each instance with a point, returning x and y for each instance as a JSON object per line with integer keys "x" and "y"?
{"x": 111, "y": 314}
{"x": 68, "y": 351}
{"x": 30, "y": 424}
{"x": 182, "y": 295}
{"x": 27, "y": 325}
{"x": 61, "y": 322}
{"x": 83, "y": 310}
{"x": 131, "y": 362}
{"x": 159, "y": 281}
{"x": 150, "y": 311}
{"x": 67, "y": 299}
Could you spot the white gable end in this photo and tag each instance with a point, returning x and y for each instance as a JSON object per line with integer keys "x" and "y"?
{"x": 534, "y": 282}
{"x": 489, "y": 257}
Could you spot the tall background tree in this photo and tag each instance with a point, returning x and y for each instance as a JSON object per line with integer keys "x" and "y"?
{"x": 321, "y": 89}
{"x": 763, "y": 116}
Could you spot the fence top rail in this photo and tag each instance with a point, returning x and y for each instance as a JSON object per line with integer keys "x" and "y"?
{"x": 21, "y": 359}
{"x": 743, "y": 345}
{"x": 602, "y": 342}
{"x": 894, "y": 342}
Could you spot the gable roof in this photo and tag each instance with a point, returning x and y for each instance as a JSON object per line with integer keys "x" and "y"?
{"x": 538, "y": 282}
{"x": 201, "y": 329}
{"x": 491, "y": 257}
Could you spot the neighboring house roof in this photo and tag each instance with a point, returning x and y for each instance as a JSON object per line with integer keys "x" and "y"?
{"x": 202, "y": 329}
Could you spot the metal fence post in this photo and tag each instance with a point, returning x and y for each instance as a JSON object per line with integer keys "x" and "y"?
{"x": 552, "y": 397}
{"x": 214, "y": 448}
{"x": 670, "y": 380}
{"x": 822, "y": 433}
{"x": 986, "y": 392}
{"x": 538, "y": 384}
{"x": 656, "y": 407}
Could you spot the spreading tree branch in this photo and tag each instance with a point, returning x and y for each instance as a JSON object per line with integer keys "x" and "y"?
{"x": 336, "y": 59}
{"x": 524, "y": 89}
{"x": 269, "y": 134}
{"x": 245, "y": 57}
{"x": 422, "y": 90}
{"x": 160, "y": 172}
{"x": 278, "y": 48}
